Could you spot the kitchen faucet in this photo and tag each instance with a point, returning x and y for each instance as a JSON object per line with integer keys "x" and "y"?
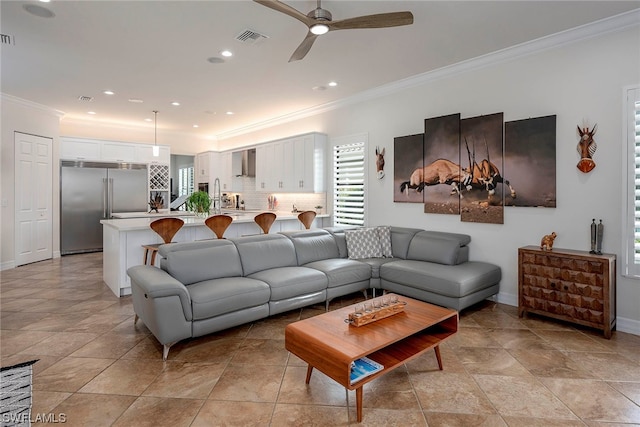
{"x": 217, "y": 199}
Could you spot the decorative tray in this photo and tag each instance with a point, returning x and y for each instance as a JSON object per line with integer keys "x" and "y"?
{"x": 375, "y": 309}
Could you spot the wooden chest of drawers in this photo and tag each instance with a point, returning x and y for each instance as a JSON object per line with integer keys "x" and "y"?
{"x": 569, "y": 285}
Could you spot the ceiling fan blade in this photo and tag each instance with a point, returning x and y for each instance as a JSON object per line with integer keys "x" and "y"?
{"x": 304, "y": 47}
{"x": 381, "y": 20}
{"x": 286, "y": 9}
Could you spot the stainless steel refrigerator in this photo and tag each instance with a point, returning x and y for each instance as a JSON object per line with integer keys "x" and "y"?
{"x": 91, "y": 191}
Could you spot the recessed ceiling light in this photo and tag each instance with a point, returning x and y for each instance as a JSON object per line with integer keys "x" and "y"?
{"x": 196, "y": 126}
{"x": 229, "y": 113}
{"x": 175, "y": 103}
{"x": 136, "y": 100}
{"x": 226, "y": 53}
{"x": 40, "y": 11}
{"x": 148, "y": 120}
{"x": 91, "y": 112}
{"x": 333, "y": 84}
{"x": 108, "y": 92}
{"x": 45, "y": 1}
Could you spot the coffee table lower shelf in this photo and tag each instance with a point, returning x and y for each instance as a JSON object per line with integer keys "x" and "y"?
{"x": 326, "y": 343}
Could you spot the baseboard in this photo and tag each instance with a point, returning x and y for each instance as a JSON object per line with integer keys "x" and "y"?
{"x": 629, "y": 326}
{"x": 8, "y": 265}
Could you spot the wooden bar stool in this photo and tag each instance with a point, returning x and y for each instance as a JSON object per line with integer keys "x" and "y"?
{"x": 264, "y": 220}
{"x": 166, "y": 229}
{"x": 306, "y": 218}
{"x": 218, "y": 224}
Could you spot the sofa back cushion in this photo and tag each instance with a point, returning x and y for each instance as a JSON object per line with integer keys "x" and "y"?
{"x": 425, "y": 247}
{"x": 400, "y": 240}
{"x": 263, "y": 251}
{"x": 341, "y": 239}
{"x": 314, "y": 245}
{"x": 197, "y": 261}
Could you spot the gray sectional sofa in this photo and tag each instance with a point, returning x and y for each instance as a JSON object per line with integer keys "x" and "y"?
{"x": 207, "y": 286}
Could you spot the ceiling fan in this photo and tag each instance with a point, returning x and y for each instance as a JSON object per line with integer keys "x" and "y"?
{"x": 319, "y": 22}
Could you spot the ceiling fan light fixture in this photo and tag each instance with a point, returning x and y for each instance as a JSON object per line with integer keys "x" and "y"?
{"x": 319, "y": 29}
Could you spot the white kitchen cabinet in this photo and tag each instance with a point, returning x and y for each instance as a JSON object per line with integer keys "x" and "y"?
{"x": 79, "y": 149}
{"x": 293, "y": 164}
{"x": 230, "y": 169}
{"x": 265, "y": 167}
{"x": 111, "y": 151}
{"x": 202, "y": 163}
{"x": 118, "y": 152}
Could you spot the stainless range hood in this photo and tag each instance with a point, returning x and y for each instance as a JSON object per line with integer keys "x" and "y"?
{"x": 248, "y": 162}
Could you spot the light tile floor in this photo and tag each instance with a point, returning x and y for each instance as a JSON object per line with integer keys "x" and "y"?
{"x": 96, "y": 368}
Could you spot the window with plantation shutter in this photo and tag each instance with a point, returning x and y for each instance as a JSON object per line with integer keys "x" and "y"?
{"x": 185, "y": 181}
{"x": 349, "y": 181}
{"x": 632, "y": 163}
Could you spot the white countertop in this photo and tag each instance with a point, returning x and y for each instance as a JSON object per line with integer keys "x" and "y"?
{"x": 129, "y": 223}
{"x": 162, "y": 213}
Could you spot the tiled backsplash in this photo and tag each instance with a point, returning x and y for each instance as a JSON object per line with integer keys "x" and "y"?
{"x": 258, "y": 199}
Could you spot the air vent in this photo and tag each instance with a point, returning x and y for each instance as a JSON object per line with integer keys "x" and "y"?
{"x": 85, "y": 98}
{"x": 7, "y": 39}
{"x": 251, "y": 37}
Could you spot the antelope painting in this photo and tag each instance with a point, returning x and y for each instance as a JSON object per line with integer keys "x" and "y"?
{"x": 485, "y": 175}
{"x": 586, "y": 148}
{"x": 440, "y": 171}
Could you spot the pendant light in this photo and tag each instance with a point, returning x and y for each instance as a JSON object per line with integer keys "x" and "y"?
{"x": 156, "y": 149}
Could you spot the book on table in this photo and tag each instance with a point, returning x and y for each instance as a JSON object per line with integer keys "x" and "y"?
{"x": 362, "y": 368}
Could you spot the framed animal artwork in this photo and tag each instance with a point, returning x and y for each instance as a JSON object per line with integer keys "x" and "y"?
{"x": 530, "y": 161}
{"x": 407, "y": 168}
{"x": 441, "y": 170}
{"x": 483, "y": 185}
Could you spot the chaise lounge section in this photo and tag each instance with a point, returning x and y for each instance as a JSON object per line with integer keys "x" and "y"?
{"x": 207, "y": 286}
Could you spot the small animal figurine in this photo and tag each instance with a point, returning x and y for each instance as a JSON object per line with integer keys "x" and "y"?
{"x": 546, "y": 244}
{"x": 586, "y": 147}
{"x": 380, "y": 162}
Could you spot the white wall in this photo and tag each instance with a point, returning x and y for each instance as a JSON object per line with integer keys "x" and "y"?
{"x": 580, "y": 81}
{"x": 20, "y": 116}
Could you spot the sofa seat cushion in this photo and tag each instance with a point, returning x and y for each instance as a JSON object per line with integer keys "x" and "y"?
{"x": 342, "y": 271}
{"x": 450, "y": 280}
{"x": 290, "y": 282}
{"x": 214, "y": 297}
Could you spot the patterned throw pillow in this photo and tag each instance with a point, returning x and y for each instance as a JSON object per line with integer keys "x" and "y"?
{"x": 363, "y": 243}
{"x": 384, "y": 232}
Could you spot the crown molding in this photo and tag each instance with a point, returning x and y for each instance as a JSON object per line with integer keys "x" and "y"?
{"x": 612, "y": 24}
{"x": 29, "y": 104}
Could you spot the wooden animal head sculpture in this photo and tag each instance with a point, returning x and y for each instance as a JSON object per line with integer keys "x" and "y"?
{"x": 380, "y": 162}
{"x": 586, "y": 147}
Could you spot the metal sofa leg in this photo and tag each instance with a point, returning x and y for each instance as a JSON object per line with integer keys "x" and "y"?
{"x": 165, "y": 350}
{"x": 364, "y": 292}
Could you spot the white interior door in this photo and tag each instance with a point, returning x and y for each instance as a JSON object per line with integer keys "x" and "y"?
{"x": 33, "y": 198}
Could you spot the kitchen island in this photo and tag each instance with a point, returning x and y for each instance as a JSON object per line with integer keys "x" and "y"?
{"x": 123, "y": 238}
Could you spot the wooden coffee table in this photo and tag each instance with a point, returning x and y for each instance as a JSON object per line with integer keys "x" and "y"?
{"x": 326, "y": 342}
